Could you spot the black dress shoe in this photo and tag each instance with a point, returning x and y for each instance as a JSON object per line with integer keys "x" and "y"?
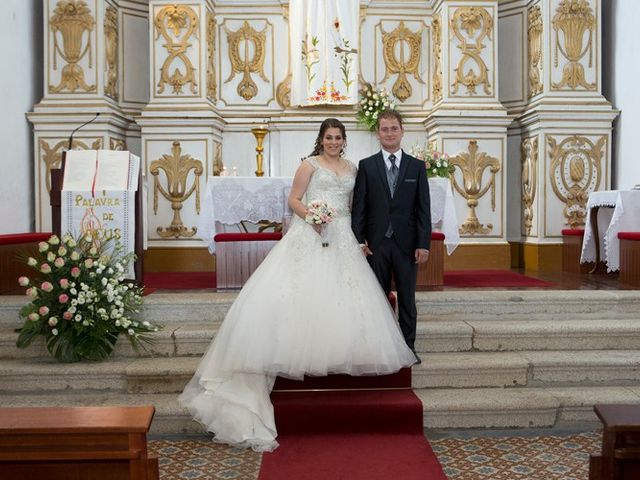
{"x": 418, "y": 359}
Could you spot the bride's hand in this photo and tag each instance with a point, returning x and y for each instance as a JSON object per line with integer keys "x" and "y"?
{"x": 317, "y": 228}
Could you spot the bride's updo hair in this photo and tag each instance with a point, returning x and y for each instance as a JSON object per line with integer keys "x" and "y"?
{"x": 326, "y": 124}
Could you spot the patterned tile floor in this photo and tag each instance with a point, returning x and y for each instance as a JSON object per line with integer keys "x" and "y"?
{"x": 530, "y": 455}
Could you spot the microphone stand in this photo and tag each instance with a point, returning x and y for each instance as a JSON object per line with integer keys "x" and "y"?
{"x": 57, "y": 175}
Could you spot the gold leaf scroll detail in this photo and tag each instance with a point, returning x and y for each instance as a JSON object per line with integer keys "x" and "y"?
{"x": 471, "y": 19}
{"x": 534, "y": 37}
{"x": 400, "y": 37}
{"x": 575, "y": 171}
{"x": 71, "y": 20}
{"x": 217, "y": 160}
{"x": 111, "y": 52}
{"x": 245, "y": 63}
{"x": 176, "y": 168}
{"x": 170, "y": 22}
{"x": 436, "y": 37}
{"x": 212, "y": 86}
{"x": 574, "y": 18}
{"x": 283, "y": 92}
{"x": 52, "y": 156}
{"x": 117, "y": 144}
{"x": 472, "y": 165}
{"x": 529, "y": 159}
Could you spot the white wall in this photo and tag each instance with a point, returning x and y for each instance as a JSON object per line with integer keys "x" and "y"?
{"x": 20, "y": 89}
{"x": 621, "y": 71}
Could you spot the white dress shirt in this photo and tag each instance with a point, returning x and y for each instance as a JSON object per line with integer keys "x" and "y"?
{"x": 387, "y": 162}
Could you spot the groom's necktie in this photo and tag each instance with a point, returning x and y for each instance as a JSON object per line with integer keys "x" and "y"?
{"x": 392, "y": 178}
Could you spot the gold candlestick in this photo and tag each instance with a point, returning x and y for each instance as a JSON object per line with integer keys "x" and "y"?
{"x": 259, "y": 132}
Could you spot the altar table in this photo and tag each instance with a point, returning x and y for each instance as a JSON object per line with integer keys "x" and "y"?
{"x": 608, "y": 213}
{"x": 231, "y": 200}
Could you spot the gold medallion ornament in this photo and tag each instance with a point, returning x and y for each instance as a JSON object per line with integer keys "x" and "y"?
{"x": 574, "y": 18}
{"x": 396, "y": 41}
{"x": 176, "y": 24}
{"x": 534, "y": 37}
{"x": 212, "y": 87}
{"x": 247, "y": 53}
{"x": 472, "y": 165}
{"x": 111, "y": 52}
{"x": 529, "y": 158}
{"x": 575, "y": 171}
{"x": 478, "y": 25}
{"x": 436, "y": 37}
{"x": 71, "y": 26}
{"x": 176, "y": 168}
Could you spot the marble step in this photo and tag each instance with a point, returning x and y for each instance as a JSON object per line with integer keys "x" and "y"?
{"x": 463, "y": 305}
{"x": 459, "y": 370}
{"x": 561, "y": 407}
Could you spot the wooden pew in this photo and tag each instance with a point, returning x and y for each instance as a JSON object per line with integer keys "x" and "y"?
{"x": 620, "y": 457}
{"x": 76, "y": 443}
{"x": 629, "y": 259}
{"x": 12, "y": 246}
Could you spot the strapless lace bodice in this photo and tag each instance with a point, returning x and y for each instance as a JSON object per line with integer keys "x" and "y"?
{"x": 334, "y": 189}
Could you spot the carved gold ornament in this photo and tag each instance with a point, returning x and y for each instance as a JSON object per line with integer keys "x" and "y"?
{"x": 574, "y": 18}
{"x": 472, "y": 165}
{"x": 111, "y": 52}
{"x": 52, "y": 156}
{"x": 212, "y": 87}
{"x": 534, "y": 37}
{"x": 71, "y": 20}
{"x": 478, "y": 25}
{"x": 217, "y": 161}
{"x": 283, "y": 92}
{"x": 529, "y": 158}
{"x": 575, "y": 172}
{"x": 117, "y": 144}
{"x": 177, "y": 23}
{"x": 252, "y": 44}
{"x": 396, "y": 41}
{"x": 176, "y": 168}
{"x": 259, "y": 132}
{"x": 436, "y": 36}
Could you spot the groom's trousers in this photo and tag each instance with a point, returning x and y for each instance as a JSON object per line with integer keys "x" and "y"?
{"x": 388, "y": 259}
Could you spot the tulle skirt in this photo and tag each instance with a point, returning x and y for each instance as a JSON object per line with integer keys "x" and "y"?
{"x": 307, "y": 310}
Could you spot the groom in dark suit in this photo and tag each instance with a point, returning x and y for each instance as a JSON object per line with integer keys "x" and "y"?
{"x": 391, "y": 218}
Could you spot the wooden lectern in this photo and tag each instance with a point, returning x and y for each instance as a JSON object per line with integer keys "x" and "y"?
{"x": 55, "y": 196}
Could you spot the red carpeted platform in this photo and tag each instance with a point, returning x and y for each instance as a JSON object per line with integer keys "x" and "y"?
{"x": 350, "y": 435}
{"x": 491, "y": 279}
{"x": 179, "y": 280}
{"x": 401, "y": 379}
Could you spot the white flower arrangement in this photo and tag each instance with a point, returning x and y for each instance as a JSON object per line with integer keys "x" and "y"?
{"x": 374, "y": 101}
{"x": 79, "y": 300}
{"x": 436, "y": 163}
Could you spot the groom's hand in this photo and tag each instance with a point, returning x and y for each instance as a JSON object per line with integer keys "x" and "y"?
{"x": 365, "y": 249}
{"x": 422, "y": 255}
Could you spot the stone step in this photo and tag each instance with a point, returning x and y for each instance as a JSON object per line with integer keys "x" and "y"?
{"x": 442, "y": 408}
{"x": 193, "y": 338}
{"x": 559, "y": 407}
{"x": 468, "y": 304}
{"x": 461, "y": 370}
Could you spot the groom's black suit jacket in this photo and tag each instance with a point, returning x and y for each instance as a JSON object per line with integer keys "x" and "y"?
{"x": 409, "y": 210}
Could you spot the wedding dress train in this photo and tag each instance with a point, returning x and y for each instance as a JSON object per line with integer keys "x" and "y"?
{"x": 306, "y": 310}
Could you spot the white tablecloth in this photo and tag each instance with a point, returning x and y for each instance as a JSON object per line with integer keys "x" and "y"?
{"x": 622, "y": 215}
{"x": 230, "y": 200}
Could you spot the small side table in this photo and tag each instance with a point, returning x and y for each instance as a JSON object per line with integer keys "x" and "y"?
{"x": 620, "y": 459}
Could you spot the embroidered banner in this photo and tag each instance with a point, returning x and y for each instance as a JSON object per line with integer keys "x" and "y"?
{"x": 324, "y": 55}
{"x": 89, "y": 207}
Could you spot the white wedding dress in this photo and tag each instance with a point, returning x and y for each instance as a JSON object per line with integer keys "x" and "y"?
{"x": 307, "y": 309}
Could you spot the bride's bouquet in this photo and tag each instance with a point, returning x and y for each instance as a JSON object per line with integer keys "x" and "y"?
{"x": 319, "y": 213}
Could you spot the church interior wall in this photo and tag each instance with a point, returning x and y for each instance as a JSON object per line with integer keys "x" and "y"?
{"x": 20, "y": 87}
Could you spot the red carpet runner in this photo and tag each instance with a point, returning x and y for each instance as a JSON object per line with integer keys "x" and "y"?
{"x": 349, "y": 434}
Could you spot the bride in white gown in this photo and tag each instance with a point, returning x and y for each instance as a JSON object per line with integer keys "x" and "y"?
{"x": 306, "y": 310}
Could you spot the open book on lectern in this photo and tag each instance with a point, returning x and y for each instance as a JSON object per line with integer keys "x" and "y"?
{"x": 98, "y": 195}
